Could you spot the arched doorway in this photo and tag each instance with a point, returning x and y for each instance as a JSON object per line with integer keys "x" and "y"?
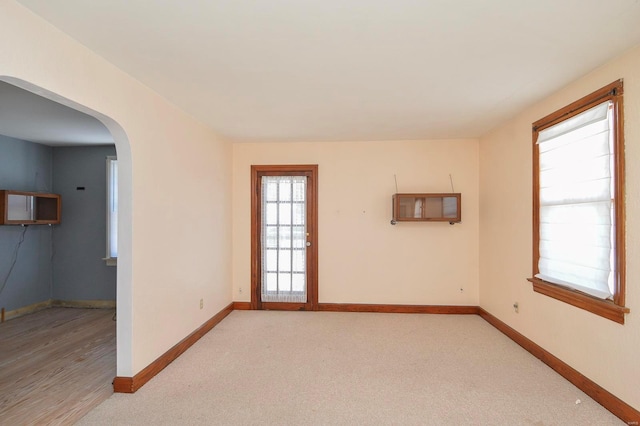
{"x": 123, "y": 276}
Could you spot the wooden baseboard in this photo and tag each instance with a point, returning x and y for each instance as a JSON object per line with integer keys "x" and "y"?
{"x": 361, "y": 307}
{"x": 132, "y": 384}
{"x": 241, "y": 306}
{"x": 84, "y": 304}
{"x": 398, "y": 309}
{"x": 25, "y": 310}
{"x": 605, "y": 398}
{"x": 53, "y": 303}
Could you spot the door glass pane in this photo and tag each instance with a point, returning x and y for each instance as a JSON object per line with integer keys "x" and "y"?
{"x": 299, "y": 237}
{"x": 270, "y": 191}
{"x": 270, "y": 280}
{"x": 284, "y": 210}
{"x": 298, "y": 213}
{"x": 271, "y": 213}
{"x": 298, "y": 282}
{"x": 284, "y": 260}
{"x": 285, "y": 189}
{"x": 284, "y": 235}
{"x": 271, "y": 261}
{"x": 297, "y": 261}
{"x": 269, "y": 236}
{"x": 299, "y": 190}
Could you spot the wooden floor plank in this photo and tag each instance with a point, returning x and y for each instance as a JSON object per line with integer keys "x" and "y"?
{"x": 56, "y": 365}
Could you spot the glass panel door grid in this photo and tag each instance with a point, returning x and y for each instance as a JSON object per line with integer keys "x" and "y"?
{"x": 284, "y": 238}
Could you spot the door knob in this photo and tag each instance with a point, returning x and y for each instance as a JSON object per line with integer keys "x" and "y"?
{"x": 308, "y": 243}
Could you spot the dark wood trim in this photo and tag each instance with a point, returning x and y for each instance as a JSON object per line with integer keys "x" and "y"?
{"x": 242, "y": 306}
{"x": 610, "y": 91}
{"x": 311, "y": 171}
{"x": 620, "y": 190}
{"x": 605, "y": 398}
{"x": 603, "y": 308}
{"x": 402, "y": 309}
{"x": 535, "y": 214}
{"x": 255, "y": 238}
{"x": 123, "y": 385}
{"x": 132, "y": 384}
{"x": 285, "y": 306}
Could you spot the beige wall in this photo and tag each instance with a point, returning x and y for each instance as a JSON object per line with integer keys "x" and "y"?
{"x": 175, "y": 187}
{"x": 362, "y": 257}
{"x": 604, "y": 351}
{"x": 175, "y": 229}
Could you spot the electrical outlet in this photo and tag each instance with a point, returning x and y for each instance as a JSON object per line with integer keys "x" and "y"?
{"x": 516, "y": 307}
{"x": 240, "y": 290}
{"x": 201, "y": 303}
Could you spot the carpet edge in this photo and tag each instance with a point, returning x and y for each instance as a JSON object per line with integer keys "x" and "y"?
{"x": 132, "y": 384}
{"x": 615, "y": 405}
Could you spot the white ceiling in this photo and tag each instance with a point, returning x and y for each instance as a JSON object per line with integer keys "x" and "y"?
{"x": 295, "y": 70}
{"x": 28, "y": 116}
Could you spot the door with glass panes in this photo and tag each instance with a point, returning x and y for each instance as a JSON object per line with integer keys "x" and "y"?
{"x": 284, "y": 252}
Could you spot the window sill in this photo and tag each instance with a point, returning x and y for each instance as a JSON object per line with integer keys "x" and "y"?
{"x": 110, "y": 261}
{"x": 604, "y": 308}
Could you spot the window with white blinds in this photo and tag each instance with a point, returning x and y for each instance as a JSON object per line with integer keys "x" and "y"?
{"x": 578, "y": 204}
{"x": 576, "y": 192}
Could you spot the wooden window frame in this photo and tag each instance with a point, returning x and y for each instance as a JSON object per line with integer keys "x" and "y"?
{"x": 610, "y": 309}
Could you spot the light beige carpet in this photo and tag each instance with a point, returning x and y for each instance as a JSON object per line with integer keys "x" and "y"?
{"x": 323, "y": 368}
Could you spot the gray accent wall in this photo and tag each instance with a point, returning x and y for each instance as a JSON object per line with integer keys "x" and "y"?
{"x": 25, "y": 166}
{"x": 60, "y": 262}
{"x": 79, "y": 242}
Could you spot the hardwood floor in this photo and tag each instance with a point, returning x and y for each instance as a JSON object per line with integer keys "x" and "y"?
{"x": 56, "y": 365}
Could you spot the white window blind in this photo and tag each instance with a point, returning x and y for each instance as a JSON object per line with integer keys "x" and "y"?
{"x": 112, "y": 208}
{"x": 576, "y": 191}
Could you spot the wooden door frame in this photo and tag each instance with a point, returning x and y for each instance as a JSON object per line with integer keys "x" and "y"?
{"x": 311, "y": 171}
